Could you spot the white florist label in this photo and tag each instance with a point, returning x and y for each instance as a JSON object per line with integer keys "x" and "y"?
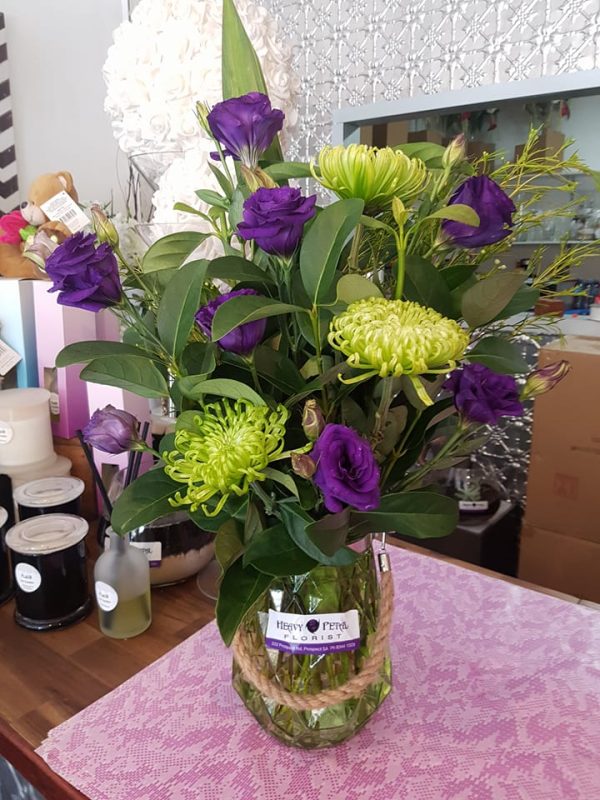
{"x": 315, "y": 634}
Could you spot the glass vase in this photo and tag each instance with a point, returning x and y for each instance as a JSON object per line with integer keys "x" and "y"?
{"x": 328, "y": 591}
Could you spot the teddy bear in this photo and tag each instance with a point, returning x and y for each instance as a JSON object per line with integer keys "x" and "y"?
{"x": 27, "y": 236}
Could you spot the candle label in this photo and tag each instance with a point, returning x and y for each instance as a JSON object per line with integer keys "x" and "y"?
{"x": 106, "y": 596}
{"x": 153, "y": 551}
{"x": 473, "y": 505}
{"x": 6, "y": 432}
{"x": 313, "y": 634}
{"x": 28, "y": 578}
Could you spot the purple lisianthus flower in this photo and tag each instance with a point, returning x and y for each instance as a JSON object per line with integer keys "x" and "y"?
{"x": 241, "y": 340}
{"x": 85, "y": 276}
{"x": 112, "y": 430}
{"x": 493, "y": 206}
{"x": 482, "y": 395}
{"x": 347, "y": 473}
{"x": 245, "y": 126}
{"x": 275, "y": 219}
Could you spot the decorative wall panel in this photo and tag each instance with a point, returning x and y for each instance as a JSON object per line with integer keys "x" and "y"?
{"x": 352, "y": 52}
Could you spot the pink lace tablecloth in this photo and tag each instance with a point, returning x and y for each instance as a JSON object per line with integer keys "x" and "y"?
{"x": 496, "y": 697}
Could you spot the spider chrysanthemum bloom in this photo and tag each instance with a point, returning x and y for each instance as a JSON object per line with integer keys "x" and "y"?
{"x": 226, "y": 447}
{"x": 375, "y": 175}
{"x": 391, "y": 338}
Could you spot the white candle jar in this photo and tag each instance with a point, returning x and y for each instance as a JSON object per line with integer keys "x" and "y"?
{"x": 25, "y": 431}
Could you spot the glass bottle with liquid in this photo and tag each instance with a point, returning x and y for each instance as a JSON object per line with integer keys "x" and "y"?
{"x": 122, "y": 585}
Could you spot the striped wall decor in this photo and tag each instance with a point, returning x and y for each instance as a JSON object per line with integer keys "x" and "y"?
{"x": 9, "y": 184}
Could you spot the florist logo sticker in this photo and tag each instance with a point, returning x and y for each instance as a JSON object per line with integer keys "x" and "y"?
{"x": 318, "y": 634}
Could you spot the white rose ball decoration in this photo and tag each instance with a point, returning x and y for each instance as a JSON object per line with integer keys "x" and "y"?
{"x": 169, "y": 56}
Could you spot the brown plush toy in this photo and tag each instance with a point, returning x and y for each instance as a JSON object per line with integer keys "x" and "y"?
{"x": 13, "y": 264}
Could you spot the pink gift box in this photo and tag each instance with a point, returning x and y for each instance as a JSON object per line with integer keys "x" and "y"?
{"x": 57, "y": 326}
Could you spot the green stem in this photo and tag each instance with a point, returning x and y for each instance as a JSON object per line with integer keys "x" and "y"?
{"x": 401, "y": 251}
{"x": 252, "y": 367}
{"x": 354, "y": 250}
{"x": 457, "y": 436}
{"x": 316, "y": 329}
{"x": 400, "y": 449}
{"x": 382, "y": 411}
{"x": 268, "y": 502}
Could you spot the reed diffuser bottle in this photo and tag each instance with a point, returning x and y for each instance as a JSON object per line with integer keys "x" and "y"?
{"x": 122, "y": 584}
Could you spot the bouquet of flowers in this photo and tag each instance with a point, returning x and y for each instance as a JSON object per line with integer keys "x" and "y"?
{"x": 313, "y": 364}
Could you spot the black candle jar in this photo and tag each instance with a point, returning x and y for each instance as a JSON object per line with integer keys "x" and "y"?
{"x": 49, "y": 568}
{"x": 49, "y": 496}
{"x": 6, "y": 584}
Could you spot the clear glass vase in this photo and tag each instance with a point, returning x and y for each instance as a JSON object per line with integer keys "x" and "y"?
{"x": 323, "y": 590}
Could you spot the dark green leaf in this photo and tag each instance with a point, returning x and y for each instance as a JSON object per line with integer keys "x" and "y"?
{"x": 134, "y": 373}
{"x": 486, "y": 299}
{"x": 429, "y": 152}
{"x": 236, "y": 210}
{"x": 457, "y": 212}
{"x": 222, "y": 179}
{"x": 425, "y": 285}
{"x": 288, "y": 169}
{"x": 323, "y": 244}
{"x": 234, "y": 508}
{"x": 422, "y": 515}
{"x": 240, "y": 588}
{"x": 524, "y": 300}
{"x": 240, "y": 310}
{"x": 80, "y": 352}
{"x": 195, "y": 389}
{"x": 199, "y": 358}
{"x": 499, "y": 355}
{"x": 456, "y": 275}
{"x": 283, "y": 479}
{"x": 228, "y": 543}
{"x": 178, "y": 305}
{"x": 240, "y": 66}
{"x": 143, "y": 501}
{"x": 280, "y": 370}
{"x": 212, "y": 198}
{"x": 172, "y": 250}
{"x": 296, "y": 522}
{"x": 275, "y": 553}
{"x": 237, "y": 269}
{"x": 355, "y": 287}
{"x": 330, "y": 532}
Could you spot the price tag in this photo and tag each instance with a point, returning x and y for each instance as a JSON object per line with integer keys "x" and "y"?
{"x": 9, "y": 358}
{"x": 61, "y": 208}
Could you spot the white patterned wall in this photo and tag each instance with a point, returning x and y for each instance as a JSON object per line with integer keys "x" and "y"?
{"x": 351, "y": 52}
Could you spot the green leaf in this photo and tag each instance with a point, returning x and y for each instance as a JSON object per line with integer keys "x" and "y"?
{"x": 422, "y": 515}
{"x": 330, "y": 532}
{"x": 236, "y": 210}
{"x": 229, "y": 543}
{"x": 289, "y": 169}
{"x": 222, "y": 180}
{"x": 143, "y": 501}
{"x": 195, "y": 389}
{"x": 456, "y": 275}
{"x": 187, "y": 209}
{"x": 275, "y": 553}
{"x": 296, "y": 522}
{"x": 323, "y": 244}
{"x": 134, "y": 373}
{"x": 80, "y": 352}
{"x": 499, "y": 355}
{"x": 237, "y": 269}
{"x": 240, "y": 588}
{"x": 524, "y": 300}
{"x": 240, "y": 66}
{"x": 355, "y": 287}
{"x": 172, "y": 250}
{"x": 282, "y": 478}
{"x": 212, "y": 198}
{"x": 199, "y": 358}
{"x": 371, "y": 222}
{"x": 240, "y": 310}
{"x": 234, "y": 508}
{"x": 429, "y": 152}
{"x": 457, "y": 212}
{"x": 425, "y": 285}
{"x": 178, "y": 305}
{"x": 280, "y": 370}
{"x": 489, "y": 296}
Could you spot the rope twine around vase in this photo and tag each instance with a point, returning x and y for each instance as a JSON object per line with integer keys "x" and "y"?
{"x": 244, "y": 655}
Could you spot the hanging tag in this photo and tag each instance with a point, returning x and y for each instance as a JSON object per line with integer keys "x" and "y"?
{"x": 9, "y": 358}
{"x": 62, "y": 208}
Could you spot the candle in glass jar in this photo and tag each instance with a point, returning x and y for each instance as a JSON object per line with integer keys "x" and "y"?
{"x": 25, "y": 431}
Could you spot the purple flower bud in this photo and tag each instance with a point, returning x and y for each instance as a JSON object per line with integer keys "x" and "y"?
{"x": 241, "y": 340}
{"x": 544, "y": 379}
{"x": 482, "y": 395}
{"x": 275, "y": 219}
{"x": 245, "y": 126}
{"x": 492, "y": 205}
{"x": 85, "y": 276}
{"x": 313, "y": 420}
{"x": 303, "y": 465}
{"x": 112, "y": 430}
{"x": 347, "y": 473}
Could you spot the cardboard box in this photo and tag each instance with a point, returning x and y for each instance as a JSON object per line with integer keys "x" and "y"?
{"x": 563, "y": 489}
{"x": 373, "y": 135}
{"x": 560, "y": 562}
{"x": 396, "y": 133}
{"x": 548, "y": 144}
{"x": 425, "y": 136}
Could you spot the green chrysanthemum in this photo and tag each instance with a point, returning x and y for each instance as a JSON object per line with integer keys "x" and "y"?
{"x": 224, "y": 449}
{"x": 391, "y": 338}
{"x": 375, "y": 175}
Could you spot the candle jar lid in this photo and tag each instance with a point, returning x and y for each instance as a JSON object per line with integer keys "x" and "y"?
{"x": 19, "y": 404}
{"x": 3, "y": 516}
{"x": 49, "y": 533}
{"x": 48, "y": 492}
